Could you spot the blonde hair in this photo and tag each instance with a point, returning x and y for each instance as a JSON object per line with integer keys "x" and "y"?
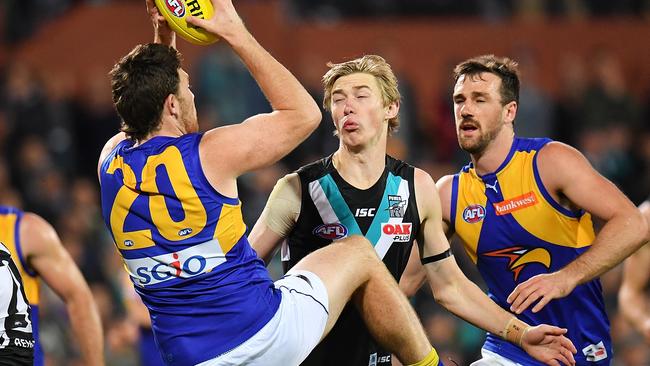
{"x": 369, "y": 64}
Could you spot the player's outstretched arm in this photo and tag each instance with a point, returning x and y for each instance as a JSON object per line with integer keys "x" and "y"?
{"x": 625, "y": 229}
{"x": 45, "y": 254}
{"x": 632, "y": 298}
{"x": 462, "y": 297}
{"x": 278, "y": 217}
{"x": 262, "y": 139}
{"x": 414, "y": 275}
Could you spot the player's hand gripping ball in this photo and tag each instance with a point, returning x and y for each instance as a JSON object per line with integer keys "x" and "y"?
{"x": 176, "y": 12}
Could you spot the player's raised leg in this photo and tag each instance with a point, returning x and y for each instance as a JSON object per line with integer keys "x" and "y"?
{"x": 350, "y": 269}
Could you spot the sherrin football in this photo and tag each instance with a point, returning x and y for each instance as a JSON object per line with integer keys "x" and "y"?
{"x": 176, "y": 12}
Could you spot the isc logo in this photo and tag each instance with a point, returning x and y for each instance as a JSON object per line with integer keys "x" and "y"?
{"x": 365, "y": 212}
{"x": 473, "y": 214}
{"x": 331, "y": 231}
{"x": 176, "y": 7}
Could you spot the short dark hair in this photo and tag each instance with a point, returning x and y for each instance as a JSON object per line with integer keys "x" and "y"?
{"x": 140, "y": 83}
{"x": 503, "y": 67}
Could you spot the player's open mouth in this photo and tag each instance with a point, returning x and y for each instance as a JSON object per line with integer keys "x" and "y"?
{"x": 468, "y": 127}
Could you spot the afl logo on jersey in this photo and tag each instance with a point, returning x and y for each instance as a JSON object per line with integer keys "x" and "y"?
{"x": 473, "y": 214}
{"x": 331, "y": 231}
{"x": 185, "y": 232}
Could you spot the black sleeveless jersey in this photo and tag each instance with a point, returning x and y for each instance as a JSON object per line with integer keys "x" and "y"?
{"x": 386, "y": 214}
{"x": 16, "y": 338}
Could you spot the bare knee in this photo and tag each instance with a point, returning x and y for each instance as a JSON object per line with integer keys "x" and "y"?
{"x": 358, "y": 248}
{"x": 356, "y": 242}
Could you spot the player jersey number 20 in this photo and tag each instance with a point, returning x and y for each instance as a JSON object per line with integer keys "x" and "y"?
{"x": 194, "y": 214}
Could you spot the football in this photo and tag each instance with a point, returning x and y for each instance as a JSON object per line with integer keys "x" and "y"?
{"x": 176, "y": 12}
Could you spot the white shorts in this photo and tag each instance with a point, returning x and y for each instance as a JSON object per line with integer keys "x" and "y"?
{"x": 292, "y": 333}
{"x": 490, "y": 358}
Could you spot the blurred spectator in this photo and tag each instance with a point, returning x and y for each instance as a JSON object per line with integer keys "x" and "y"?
{"x": 610, "y": 118}
{"x": 94, "y": 121}
{"x": 58, "y": 89}
{"x": 569, "y": 112}
{"x": 322, "y": 141}
{"x": 407, "y": 144}
{"x": 441, "y": 128}
{"x": 220, "y": 79}
{"x": 9, "y": 196}
{"x": 535, "y": 109}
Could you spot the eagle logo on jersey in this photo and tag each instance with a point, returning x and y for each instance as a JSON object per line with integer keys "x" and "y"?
{"x": 519, "y": 257}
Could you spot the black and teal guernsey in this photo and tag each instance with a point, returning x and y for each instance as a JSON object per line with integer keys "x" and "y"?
{"x": 331, "y": 209}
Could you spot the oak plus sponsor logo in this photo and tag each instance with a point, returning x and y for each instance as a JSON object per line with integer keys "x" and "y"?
{"x": 400, "y": 232}
{"x": 595, "y": 352}
{"x": 186, "y": 263}
{"x": 473, "y": 214}
{"x": 513, "y": 204}
{"x": 331, "y": 231}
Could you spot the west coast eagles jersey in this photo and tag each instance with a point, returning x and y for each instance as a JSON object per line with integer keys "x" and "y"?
{"x": 386, "y": 214}
{"x": 512, "y": 230}
{"x": 185, "y": 248}
{"x": 10, "y": 236}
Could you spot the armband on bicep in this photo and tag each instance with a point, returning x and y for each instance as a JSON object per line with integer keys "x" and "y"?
{"x": 437, "y": 257}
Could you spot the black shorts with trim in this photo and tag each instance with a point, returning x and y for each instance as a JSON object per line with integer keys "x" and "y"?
{"x": 16, "y": 356}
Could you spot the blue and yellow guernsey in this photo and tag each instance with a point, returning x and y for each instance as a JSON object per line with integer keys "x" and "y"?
{"x": 513, "y": 229}
{"x": 10, "y": 236}
{"x": 185, "y": 248}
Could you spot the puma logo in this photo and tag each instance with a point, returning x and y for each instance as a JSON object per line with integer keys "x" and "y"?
{"x": 492, "y": 186}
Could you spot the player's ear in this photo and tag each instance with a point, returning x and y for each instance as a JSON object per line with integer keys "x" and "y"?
{"x": 510, "y": 112}
{"x": 392, "y": 109}
{"x": 171, "y": 106}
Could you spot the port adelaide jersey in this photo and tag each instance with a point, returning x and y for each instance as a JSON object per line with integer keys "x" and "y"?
{"x": 331, "y": 209}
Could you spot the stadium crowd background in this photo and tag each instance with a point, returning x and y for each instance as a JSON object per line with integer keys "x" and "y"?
{"x": 586, "y": 81}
